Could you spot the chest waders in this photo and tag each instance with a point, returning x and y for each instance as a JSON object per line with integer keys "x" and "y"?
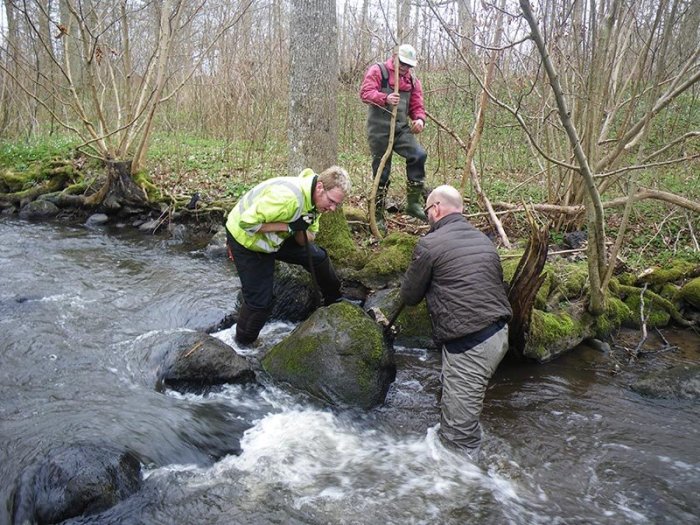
{"x": 405, "y": 144}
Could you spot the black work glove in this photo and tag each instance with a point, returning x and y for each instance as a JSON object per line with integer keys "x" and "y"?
{"x": 301, "y": 224}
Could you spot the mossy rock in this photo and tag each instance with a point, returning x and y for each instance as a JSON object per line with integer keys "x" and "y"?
{"x": 669, "y": 274}
{"x": 690, "y": 293}
{"x": 355, "y": 214}
{"x": 338, "y": 355}
{"x": 669, "y": 291}
{"x": 655, "y": 315}
{"x": 414, "y": 327}
{"x": 616, "y": 314}
{"x": 628, "y": 279}
{"x": 334, "y": 236}
{"x": 11, "y": 182}
{"x": 386, "y": 267}
{"x": 552, "y": 334}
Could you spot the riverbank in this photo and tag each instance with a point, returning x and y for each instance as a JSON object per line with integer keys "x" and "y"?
{"x": 644, "y": 293}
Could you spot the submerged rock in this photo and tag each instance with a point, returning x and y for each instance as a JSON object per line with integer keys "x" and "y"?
{"x": 76, "y": 480}
{"x": 679, "y": 382}
{"x": 338, "y": 355}
{"x": 193, "y": 361}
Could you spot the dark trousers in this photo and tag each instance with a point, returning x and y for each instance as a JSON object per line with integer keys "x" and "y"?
{"x": 407, "y": 146}
{"x": 256, "y": 271}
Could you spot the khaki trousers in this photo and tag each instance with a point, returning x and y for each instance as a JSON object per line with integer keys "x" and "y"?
{"x": 465, "y": 377}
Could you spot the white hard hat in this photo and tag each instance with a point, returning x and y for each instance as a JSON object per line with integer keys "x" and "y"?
{"x": 407, "y": 55}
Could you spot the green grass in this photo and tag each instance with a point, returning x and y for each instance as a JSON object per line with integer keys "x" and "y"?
{"x": 19, "y": 156}
{"x": 216, "y": 167}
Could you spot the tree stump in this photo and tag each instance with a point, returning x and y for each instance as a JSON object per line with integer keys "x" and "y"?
{"x": 119, "y": 190}
{"x": 524, "y": 286}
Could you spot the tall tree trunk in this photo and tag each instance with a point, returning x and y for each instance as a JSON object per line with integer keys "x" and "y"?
{"x": 404, "y": 21}
{"x": 10, "y": 64}
{"x": 465, "y": 15}
{"x": 313, "y": 85}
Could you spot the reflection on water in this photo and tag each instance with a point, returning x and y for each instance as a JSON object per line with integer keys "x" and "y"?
{"x": 565, "y": 442}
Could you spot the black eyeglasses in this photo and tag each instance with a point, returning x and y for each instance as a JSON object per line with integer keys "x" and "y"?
{"x": 427, "y": 209}
{"x": 333, "y": 202}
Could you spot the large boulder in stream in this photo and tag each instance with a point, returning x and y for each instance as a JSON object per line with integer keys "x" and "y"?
{"x": 75, "y": 480}
{"x": 193, "y": 361}
{"x": 338, "y": 355}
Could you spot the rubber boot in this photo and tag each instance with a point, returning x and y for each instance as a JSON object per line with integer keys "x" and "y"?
{"x": 328, "y": 282}
{"x": 380, "y": 206}
{"x": 414, "y": 206}
{"x": 250, "y": 322}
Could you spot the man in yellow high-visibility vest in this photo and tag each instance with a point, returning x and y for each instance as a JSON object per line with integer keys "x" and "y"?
{"x": 273, "y": 221}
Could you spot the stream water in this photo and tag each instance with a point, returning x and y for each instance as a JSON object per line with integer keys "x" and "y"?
{"x": 565, "y": 442}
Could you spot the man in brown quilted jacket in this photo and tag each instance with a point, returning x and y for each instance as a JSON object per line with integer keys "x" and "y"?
{"x": 458, "y": 271}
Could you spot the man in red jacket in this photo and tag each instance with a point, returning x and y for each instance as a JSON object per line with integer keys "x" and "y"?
{"x": 378, "y": 92}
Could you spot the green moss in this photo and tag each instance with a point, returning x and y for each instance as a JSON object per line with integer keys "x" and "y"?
{"x": 142, "y": 180}
{"x": 76, "y": 189}
{"x": 571, "y": 279}
{"x": 669, "y": 274}
{"x": 14, "y": 182}
{"x": 354, "y": 213}
{"x": 628, "y": 279}
{"x": 654, "y": 314}
{"x": 669, "y": 291}
{"x": 616, "y": 314}
{"x": 392, "y": 259}
{"x": 414, "y": 321}
{"x": 545, "y": 289}
{"x": 661, "y": 309}
{"x": 690, "y": 293}
{"x": 297, "y": 357}
{"x": 335, "y": 237}
{"x": 56, "y": 169}
{"x": 546, "y": 329}
{"x": 509, "y": 262}
{"x": 295, "y": 361}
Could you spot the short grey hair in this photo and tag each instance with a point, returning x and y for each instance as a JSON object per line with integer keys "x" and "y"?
{"x": 448, "y": 196}
{"x": 336, "y": 177}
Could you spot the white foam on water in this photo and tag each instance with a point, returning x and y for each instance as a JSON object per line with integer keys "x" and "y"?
{"x": 320, "y": 458}
{"x": 272, "y": 333}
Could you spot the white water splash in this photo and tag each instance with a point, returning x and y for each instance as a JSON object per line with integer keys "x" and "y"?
{"x": 319, "y": 457}
{"x": 271, "y": 334}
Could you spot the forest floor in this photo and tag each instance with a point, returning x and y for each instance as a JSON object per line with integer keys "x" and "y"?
{"x": 657, "y": 233}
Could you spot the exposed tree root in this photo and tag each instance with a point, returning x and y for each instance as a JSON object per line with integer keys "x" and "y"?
{"x": 524, "y": 286}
